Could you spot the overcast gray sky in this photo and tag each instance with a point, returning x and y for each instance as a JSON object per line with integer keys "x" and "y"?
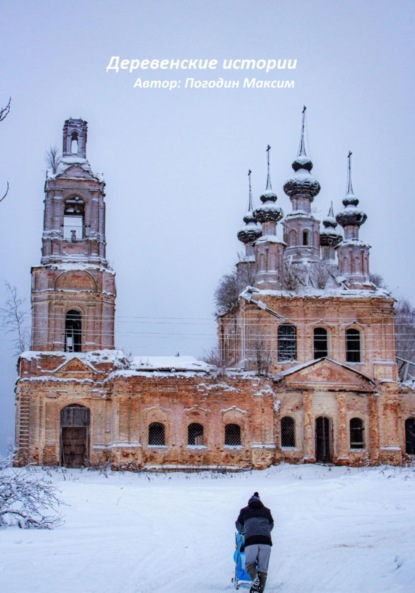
{"x": 175, "y": 162}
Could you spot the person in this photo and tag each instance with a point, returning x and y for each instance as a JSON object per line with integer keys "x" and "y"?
{"x": 255, "y": 522}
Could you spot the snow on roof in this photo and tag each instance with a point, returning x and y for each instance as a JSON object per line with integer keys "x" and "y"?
{"x": 304, "y": 365}
{"x": 168, "y": 363}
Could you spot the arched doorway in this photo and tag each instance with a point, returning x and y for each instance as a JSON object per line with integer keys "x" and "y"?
{"x": 75, "y": 422}
{"x": 323, "y": 440}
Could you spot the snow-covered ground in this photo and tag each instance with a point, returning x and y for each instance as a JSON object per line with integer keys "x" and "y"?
{"x": 337, "y": 530}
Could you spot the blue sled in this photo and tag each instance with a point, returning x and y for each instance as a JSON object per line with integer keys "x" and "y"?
{"x": 241, "y": 576}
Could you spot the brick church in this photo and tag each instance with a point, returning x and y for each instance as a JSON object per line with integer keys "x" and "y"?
{"x": 308, "y": 370}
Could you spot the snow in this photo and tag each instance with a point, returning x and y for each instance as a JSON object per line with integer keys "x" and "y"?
{"x": 337, "y": 530}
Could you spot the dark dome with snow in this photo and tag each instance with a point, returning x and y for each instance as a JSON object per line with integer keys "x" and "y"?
{"x": 302, "y": 185}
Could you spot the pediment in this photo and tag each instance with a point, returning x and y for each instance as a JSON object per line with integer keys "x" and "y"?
{"x": 325, "y": 375}
{"x": 76, "y": 368}
{"x": 75, "y": 170}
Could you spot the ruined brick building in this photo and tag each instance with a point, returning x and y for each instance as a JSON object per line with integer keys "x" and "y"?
{"x": 308, "y": 347}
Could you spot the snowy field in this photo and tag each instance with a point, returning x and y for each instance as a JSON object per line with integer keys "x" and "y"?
{"x": 337, "y": 530}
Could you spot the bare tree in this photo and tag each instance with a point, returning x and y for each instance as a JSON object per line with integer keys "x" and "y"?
{"x": 319, "y": 274}
{"x": 26, "y": 498}
{"x": 261, "y": 352}
{"x": 4, "y": 112}
{"x": 405, "y": 338}
{"x": 213, "y": 357}
{"x": 15, "y": 318}
{"x": 289, "y": 277}
{"x": 53, "y": 158}
{"x": 231, "y": 285}
{"x": 378, "y": 280}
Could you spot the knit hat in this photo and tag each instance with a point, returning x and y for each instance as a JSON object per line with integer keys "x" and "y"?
{"x": 254, "y": 497}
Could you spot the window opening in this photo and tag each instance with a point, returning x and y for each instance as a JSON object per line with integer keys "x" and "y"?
{"x": 305, "y": 238}
{"x": 353, "y": 353}
{"x": 287, "y": 432}
{"x": 156, "y": 434}
{"x": 410, "y": 436}
{"x": 74, "y": 143}
{"x": 233, "y": 435}
{"x": 320, "y": 342}
{"x": 287, "y": 343}
{"x": 357, "y": 440}
{"x": 73, "y": 220}
{"x": 73, "y": 331}
{"x": 195, "y": 434}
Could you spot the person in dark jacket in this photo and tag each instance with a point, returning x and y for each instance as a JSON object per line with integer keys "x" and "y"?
{"x": 255, "y": 522}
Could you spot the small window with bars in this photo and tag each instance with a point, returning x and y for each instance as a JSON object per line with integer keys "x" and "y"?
{"x": 287, "y": 343}
{"x": 233, "y": 435}
{"x": 357, "y": 437}
{"x": 157, "y": 434}
{"x": 287, "y": 432}
{"x": 195, "y": 434}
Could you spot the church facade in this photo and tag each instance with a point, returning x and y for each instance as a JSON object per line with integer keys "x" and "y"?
{"x": 308, "y": 370}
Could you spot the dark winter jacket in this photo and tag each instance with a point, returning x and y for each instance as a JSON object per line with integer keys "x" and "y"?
{"x": 255, "y": 522}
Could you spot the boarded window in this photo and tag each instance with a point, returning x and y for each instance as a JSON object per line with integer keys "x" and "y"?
{"x": 320, "y": 342}
{"x": 287, "y": 432}
{"x": 73, "y": 219}
{"x": 357, "y": 437}
{"x": 73, "y": 331}
{"x": 410, "y": 436}
{"x": 353, "y": 346}
{"x": 195, "y": 434}
{"x": 233, "y": 435}
{"x": 156, "y": 434}
{"x": 287, "y": 343}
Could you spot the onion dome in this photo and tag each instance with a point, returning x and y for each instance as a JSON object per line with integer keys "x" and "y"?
{"x": 268, "y": 211}
{"x": 251, "y": 229}
{"x": 350, "y": 215}
{"x": 329, "y": 237}
{"x": 302, "y": 184}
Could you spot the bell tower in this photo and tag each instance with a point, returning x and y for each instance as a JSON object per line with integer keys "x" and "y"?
{"x": 73, "y": 290}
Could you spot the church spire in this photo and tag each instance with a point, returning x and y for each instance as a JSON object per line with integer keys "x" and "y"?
{"x": 352, "y": 253}
{"x": 251, "y": 230}
{"x": 301, "y": 229}
{"x": 268, "y": 249}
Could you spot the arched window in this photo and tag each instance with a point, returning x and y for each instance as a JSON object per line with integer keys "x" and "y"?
{"x": 287, "y": 342}
{"x": 233, "y": 435}
{"x": 287, "y": 432}
{"x": 357, "y": 437}
{"x": 156, "y": 434}
{"x": 73, "y": 331}
{"x": 74, "y": 143}
{"x": 73, "y": 219}
{"x": 195, "y": 434}
{"x": 305, "y": 238}
{"x": 410, "y": 436}
{"x": 293, "y": 237}
{"x": 353, "y": 346}
{"x": 320, "y": 342}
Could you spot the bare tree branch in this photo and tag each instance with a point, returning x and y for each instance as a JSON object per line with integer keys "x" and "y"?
{"x": 53, "y": 158}
{"x": 7, "y": 191}
{"x": 4, "y": 111}
{"x": 14, "y": 317}
{"x": 26, "y": 496}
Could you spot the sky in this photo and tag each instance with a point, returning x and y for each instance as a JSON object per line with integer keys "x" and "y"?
{"x": 336, "y": 530}
{"x": 176, "y": 161}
